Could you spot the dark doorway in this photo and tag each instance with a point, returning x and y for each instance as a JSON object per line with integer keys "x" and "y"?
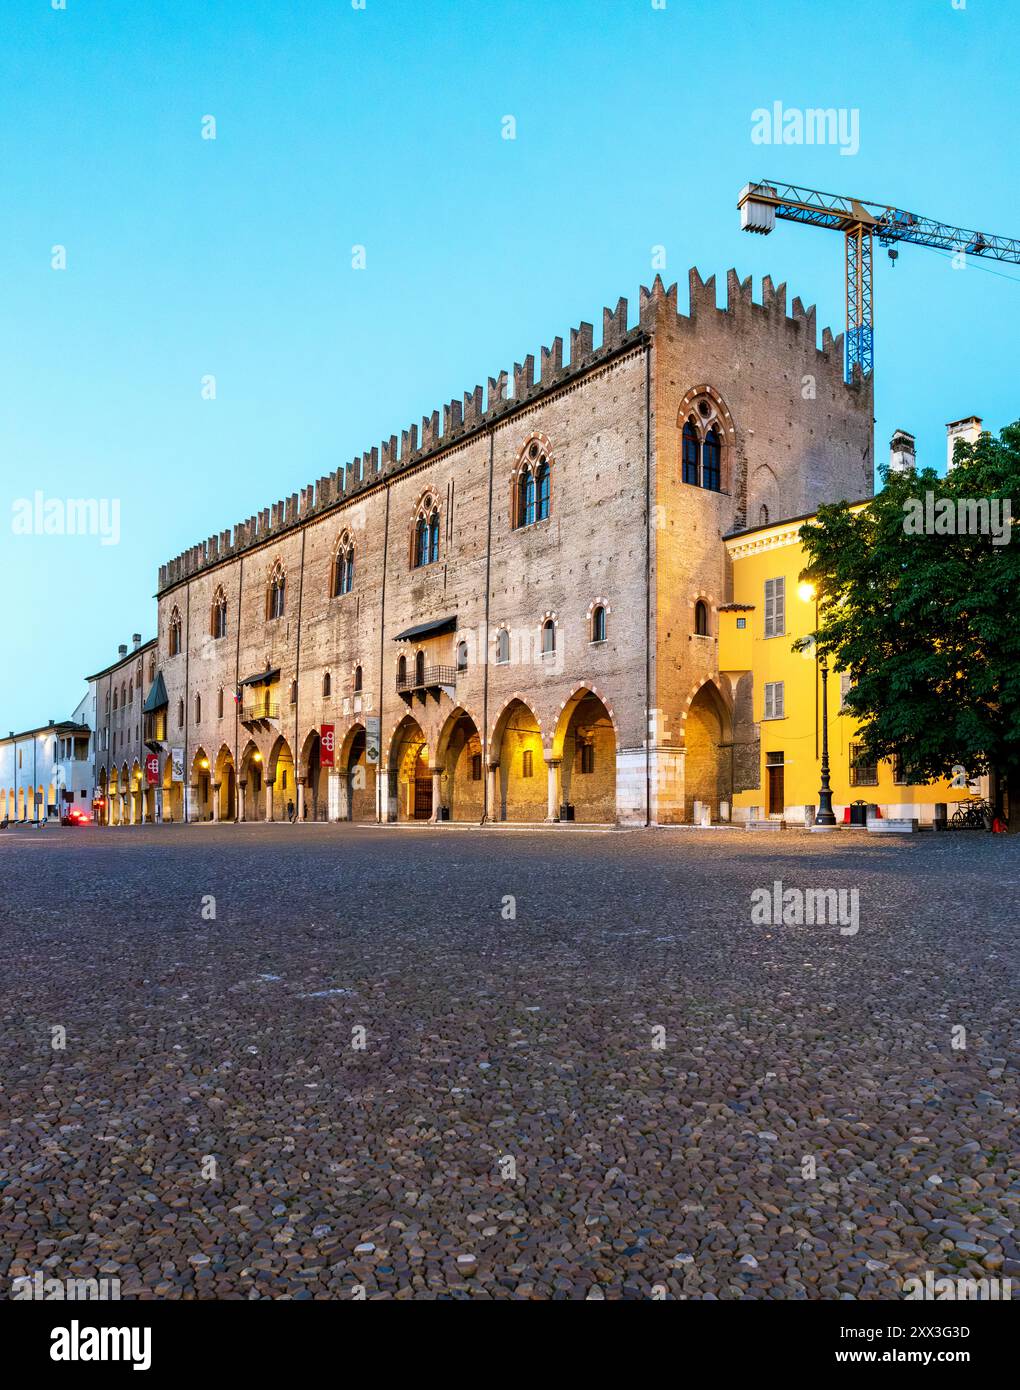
{"x": 776, "y": 789}
{"x": 422, "y": 798}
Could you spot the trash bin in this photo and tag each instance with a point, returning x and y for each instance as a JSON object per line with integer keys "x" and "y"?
{"x": 941, "y": 820}
{"x": 566, "y": 812}
{"x": 859, "y": 813}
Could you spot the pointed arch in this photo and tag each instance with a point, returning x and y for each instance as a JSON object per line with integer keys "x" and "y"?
{"x": 531, "y": 481}
{"x": 707, "y": 722}
{"x": 425, "y": 527}
{"x": 459, "y": 754}
{"x": 584, "y": 745}
{"x": 707, "y": 440}
{"x": 218, "y": 614}
{"x": 408, "y": 771}
{"x": 276, "y": 591}
{"x": 517, "y": 759}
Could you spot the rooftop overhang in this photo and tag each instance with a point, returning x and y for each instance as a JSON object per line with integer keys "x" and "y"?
{"x": 436, "y": 628}
{"x": 263, "y": 677}
{"x": 157, "y": 697}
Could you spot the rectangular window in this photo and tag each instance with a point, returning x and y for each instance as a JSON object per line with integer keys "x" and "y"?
{"x": 862, "y": 772}
{"x": 900, "y": 775}
{"x": 845, "y": 686}
{"x": 476, "y": 767}
{"x": 526, "y": 763}
{"x": 741, "y": 624}
{"x": 587, "y": 757}
{"x": 775, "y": 607}
{"x": 775, "y": 700}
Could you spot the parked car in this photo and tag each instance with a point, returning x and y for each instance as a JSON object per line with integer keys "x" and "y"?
{"x": 74, "y": 815}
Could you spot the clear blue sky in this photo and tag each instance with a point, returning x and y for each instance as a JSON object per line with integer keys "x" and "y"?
{"x": 382, "y": 127}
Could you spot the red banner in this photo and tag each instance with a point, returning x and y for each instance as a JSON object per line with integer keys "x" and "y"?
{"x": 152, "y": 768}
{"x": 326, "y": 746}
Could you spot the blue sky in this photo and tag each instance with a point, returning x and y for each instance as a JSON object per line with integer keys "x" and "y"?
{"x": 382, "y": 127}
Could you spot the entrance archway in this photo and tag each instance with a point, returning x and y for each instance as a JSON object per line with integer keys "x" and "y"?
{"x": 251, "y": 798}
{"x": 316, "y": 795}
{"x": 706, "y": 768}
{"x": 520, "y": 791}
{"x": 459, "y": 754}
{"x": 201, "y": 786}
{"x": 280, "y": 774}
{"x": 410, "y": 780}
{"x": 226, "y": 796}
{"x": 585, "y": 744}
{"x": 358, "y": 777}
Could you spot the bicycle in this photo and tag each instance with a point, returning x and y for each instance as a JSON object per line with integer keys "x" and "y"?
{"x": 972, "y": 815}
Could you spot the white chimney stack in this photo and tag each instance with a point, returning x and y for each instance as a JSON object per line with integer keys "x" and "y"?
{"x": 968, "y": 429}
{"x": 902, "y": 455}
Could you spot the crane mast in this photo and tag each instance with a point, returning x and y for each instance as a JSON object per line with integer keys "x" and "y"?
{"x": 860, "y": 222}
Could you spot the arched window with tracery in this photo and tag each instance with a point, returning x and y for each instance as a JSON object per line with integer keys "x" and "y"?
{"x": 276, "y": 592}
{"x": 218, "y": 622}
{"x": 425, "y": 548}
{"x": 532, "y": 486}
{"x": 174, "y": 632}
{"x": 703, "y": 436}
{"x": 343, "y": 566}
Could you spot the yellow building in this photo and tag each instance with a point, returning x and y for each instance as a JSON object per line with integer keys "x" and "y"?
{"x": 770, "y": 610}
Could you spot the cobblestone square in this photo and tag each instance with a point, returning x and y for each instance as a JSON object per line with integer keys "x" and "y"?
{"x": 446, "y": 1063}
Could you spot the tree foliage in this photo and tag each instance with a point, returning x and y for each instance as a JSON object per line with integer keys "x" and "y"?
{"x": 928, "y": 624}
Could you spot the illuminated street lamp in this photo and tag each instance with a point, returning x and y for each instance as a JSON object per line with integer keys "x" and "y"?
{"x": 825, "y": 818}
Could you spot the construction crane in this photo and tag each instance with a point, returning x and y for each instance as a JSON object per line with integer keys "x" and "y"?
{"x": 761, "y": 203}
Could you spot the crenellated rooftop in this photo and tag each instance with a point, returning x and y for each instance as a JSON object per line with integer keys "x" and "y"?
{"x": 462, "y": 418}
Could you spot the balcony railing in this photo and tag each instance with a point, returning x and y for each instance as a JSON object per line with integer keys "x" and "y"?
{"x": 264, "y": 709}
{"x": 429, "y": 679}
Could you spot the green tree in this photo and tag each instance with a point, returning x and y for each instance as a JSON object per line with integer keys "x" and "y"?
{"x": 925, "y": 620}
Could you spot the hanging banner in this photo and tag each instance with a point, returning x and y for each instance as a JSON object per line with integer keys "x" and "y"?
{"x": 177, "y": 764}
{"x": 152, "y": 768}
{"x": 372, "y": 732}
{"x": 326, "y": 745}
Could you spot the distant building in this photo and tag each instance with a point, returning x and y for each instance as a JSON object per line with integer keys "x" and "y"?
{"x": 46, "y": 770}
{"x": 969, "y": 430}
{"x": 902, "y": 453}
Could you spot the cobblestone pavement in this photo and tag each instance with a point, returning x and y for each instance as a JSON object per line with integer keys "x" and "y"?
{"x": 621, "y": 1091}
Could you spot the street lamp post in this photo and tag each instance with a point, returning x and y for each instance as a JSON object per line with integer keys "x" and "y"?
{"x": 825, "y": 813}
{"x": 825, "y": 819}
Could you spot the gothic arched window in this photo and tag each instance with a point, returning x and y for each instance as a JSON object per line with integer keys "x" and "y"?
{"x": 343, "y": 566}
{"x": 218, "y": 626}
{"x": 425, "y": 549}
{"x": 690, "y": 452}
{"x": 276, "y": 594}
{"x": 711, "y": 455}
{"x": 174, "y": 634}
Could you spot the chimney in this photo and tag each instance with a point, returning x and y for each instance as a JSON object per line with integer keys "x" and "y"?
{"x": 122, "y": 650}
{"x": 902, "y": 458}
{"x": 136, "y": 638}
{"x": 967, "y": 429}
